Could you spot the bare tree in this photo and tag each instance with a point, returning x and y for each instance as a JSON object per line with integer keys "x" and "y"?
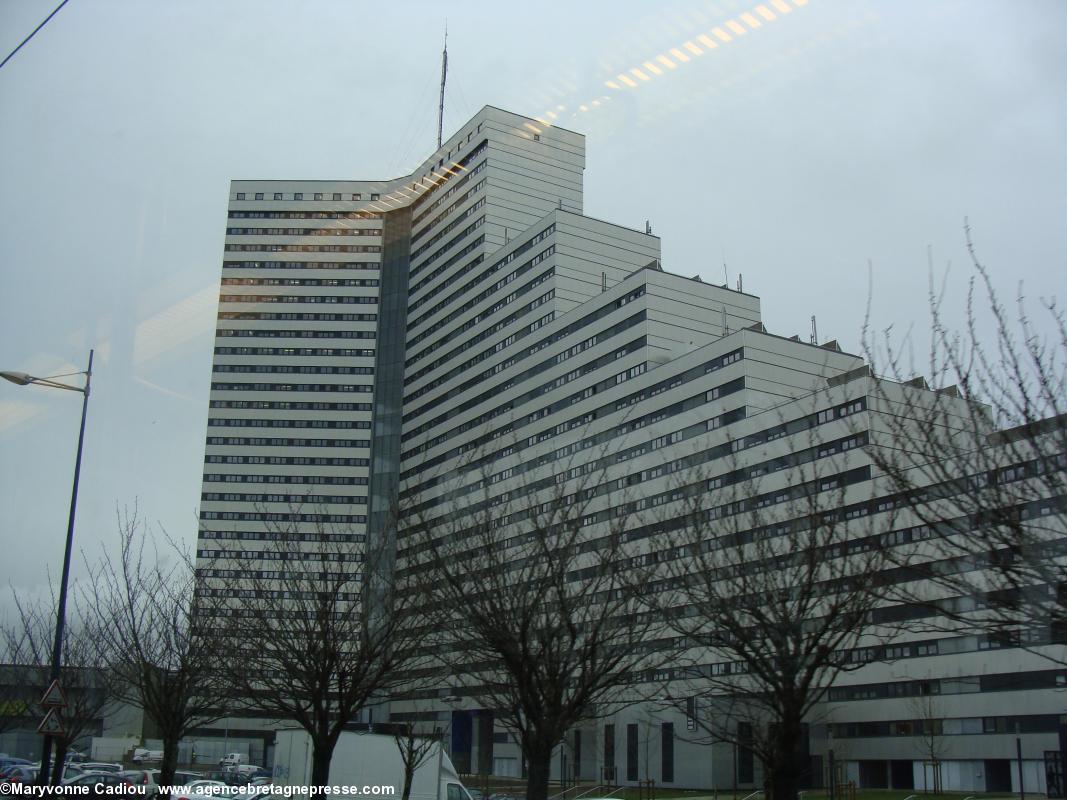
{"x": 314, "y": 633}
{"x": 416, "y": 745}
{"x": 150, "y": 631}
{"x": 85, "y": 680}
{"x": 531, "y": 595}
{"x": 928, "y": 716}
{"x": 771, "y": 568}
{"x": 981, "y": 462}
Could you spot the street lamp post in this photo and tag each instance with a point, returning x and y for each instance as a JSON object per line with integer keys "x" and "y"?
{"x": 22, "y": 379}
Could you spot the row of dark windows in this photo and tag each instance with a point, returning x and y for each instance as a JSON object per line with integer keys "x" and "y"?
{"x": 303, "y": 248}
{"x": 345, "y": 352}
{"x": 225, "y": 333}
{"x": 259, "y": 575}
{"x": 260, "y": 613}
{"x": 283, "y": 516}
{"x": 300, "y": 196}
{"x": 894, "y": 652}
{"x": 286, "y": 405}
{"x": 291, "y": 499}
{"x": 305, "y": 214}
{"x": 414, "y": 322}
{"x": 290, "y": 387}
{"x": 288, "y": 460}
{"x": 300, "y": 282}
{"x": 963, "y": 726}
{"x": 375, "y": 265}
{"x": 289, "y": 369}
{"x": 346, "y": 299}
{"x": 303, "y": 231}
{"x": 314, "y": 480}
{"x": 281, "y": 536}
{"x": 303, "y": 317}
{"x": 244, "y": 441}
{"x": 217, "y": 422}
{"x": 999, "y": 682}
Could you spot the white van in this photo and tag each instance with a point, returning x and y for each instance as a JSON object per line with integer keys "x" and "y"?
{"x": 366, "y": 759}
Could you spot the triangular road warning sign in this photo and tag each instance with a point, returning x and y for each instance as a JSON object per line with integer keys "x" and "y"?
{"x": 53, "y": 696}
{"x": 50, "y": 725}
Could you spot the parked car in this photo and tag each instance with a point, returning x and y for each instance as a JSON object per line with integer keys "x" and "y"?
{"x": 22, "y": 773}
{"x": 245, "y": 770}
{"x": 142, "y": 755}
{"x": 11, "y": 761}
{"x": 146, "y": 778}
{"x": 99, "y": 783}
{"x": 100, "y": 766}
{"x": 232, "y": 759}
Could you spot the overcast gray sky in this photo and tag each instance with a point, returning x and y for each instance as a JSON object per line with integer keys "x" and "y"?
{"x": 834, "y": 134}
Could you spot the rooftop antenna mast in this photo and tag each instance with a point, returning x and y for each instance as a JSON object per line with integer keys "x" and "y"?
{"x": 441, "y": 103}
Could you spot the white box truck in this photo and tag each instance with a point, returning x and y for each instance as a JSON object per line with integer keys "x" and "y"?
{"x": 367, "y": 761}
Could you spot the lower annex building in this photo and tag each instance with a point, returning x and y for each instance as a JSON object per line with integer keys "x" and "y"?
{"x": 390, "y": 332}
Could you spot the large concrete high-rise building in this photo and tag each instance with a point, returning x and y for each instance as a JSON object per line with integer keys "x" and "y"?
{"x": 465, "y": 331}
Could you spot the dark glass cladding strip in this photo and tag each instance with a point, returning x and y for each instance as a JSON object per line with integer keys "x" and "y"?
{"x": 388, "y": 403}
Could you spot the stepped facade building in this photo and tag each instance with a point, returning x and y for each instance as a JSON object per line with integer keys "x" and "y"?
{"x": 469, "y": 321}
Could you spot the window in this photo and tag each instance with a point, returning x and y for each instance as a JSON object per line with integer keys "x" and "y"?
{"x": 577, "y": 754}
{"x": 240, "y": 195}
{"x": 375, "y": 196}
{"x": 357, "y": 196}
{"x": 609, "y": 753}
{"x": 259, "y": 195}
{"x": 298, "y": 195}
{"x": 667, "y": 752}
{"x": 318, "y": 195}
{"x": 631, "y": 752}
{"x": 336, "y": 195}
{"x": 746, "y": 761}
{"x": 277, "y": 195}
